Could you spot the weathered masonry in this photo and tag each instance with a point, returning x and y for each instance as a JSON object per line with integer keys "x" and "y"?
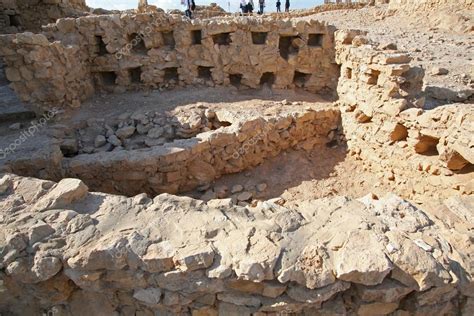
{"x": 113, "y": 53}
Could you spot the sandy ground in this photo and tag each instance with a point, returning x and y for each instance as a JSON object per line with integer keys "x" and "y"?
{"x": 299, "y": 175}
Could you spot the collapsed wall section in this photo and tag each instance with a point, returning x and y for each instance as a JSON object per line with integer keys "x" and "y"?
{"x": 16, "y": 16}
{"x": 127, "y": 51}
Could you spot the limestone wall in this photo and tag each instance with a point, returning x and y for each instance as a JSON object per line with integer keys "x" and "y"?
{"x": 156, "y": 50}
{"x": 31, "y": 15}
{"x": 46, "y": 74}
{"x": 376, "y": 85}
{"x": 172, "y": 49}
{"x": 186, "y": 164}
{"x": 66, "y": 251}
{"x": 384, "y": 122}
{"x": 376, "y": 78}
{"x": 9, "y": 17}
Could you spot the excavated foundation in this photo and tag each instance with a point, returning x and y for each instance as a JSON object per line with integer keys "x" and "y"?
{"x": 376, "y": 221}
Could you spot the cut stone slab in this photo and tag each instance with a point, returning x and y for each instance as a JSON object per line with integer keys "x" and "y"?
{"x": 362, "y": 259}
{"x": 159, "y": 257}
{"x": 65, "y": 192}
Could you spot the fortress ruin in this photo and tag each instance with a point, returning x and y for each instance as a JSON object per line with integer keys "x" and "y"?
{"x": 231, "y": 165}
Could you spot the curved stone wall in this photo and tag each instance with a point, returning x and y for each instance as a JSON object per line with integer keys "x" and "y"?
{"x": 185, "y": 164}
{"x": 157, "y": 50}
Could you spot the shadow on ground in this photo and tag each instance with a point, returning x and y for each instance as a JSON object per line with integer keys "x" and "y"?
{"x": 289, "y": 170}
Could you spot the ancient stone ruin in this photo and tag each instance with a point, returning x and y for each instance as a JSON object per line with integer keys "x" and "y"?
{"x": 234, "y": 165}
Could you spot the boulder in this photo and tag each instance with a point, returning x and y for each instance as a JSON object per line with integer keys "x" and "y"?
{"x": 202, "y": 171}
{"x": 362, "y": 259}
{"x": 125, "y": 132}
{"x": 64, "y": 193}
{"x": 100, "y": 141}
{"x": 46, "y": 267}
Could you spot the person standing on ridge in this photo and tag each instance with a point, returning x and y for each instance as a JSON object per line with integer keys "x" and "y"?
{"x": 243, "y": 6}
{"x": 189, "y": 7}
{"x": 250, "y": 6}
{"x": 287, "y": 6}
{"x": 262, "y": 5}
{"x": 278, "y": 6}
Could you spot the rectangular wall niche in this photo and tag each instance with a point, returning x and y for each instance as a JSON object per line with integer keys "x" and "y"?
{"x": 101, "y": 48}
{"x": 222, "y": 39}
{"x": 171, "y": 73}
{"x": 300, "y": 79}
{"x": 267, "y": 78}
{"x": 286, "y": 46}
{"x": 137, "y": 43}
{"x": 235, "y": 79}
{"x": 168, "y": 39}
{"x": 15, "y": 20}
{"x": 315, "y": 40}
{"x": 109, "y": 78}
{"x": 259, "y": 38}
{"x": 373, "y": 76}
{"x": 349, "y": 73}
{"x": 196, "y": 37}
{"x": 204, "y": 73}
{"x": 135, "y": 75}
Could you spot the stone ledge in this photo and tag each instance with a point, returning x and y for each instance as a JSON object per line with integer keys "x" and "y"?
{"x": 224, "y": 258}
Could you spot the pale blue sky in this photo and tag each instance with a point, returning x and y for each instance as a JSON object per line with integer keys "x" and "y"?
{"x": 175, "y": 4}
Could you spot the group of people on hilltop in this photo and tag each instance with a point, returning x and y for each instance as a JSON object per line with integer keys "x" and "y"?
{"x": 247, "y": 6}
{"x": 287, "y": 6}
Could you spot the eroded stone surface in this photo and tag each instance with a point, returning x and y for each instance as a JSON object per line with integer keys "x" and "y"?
{"x": 65, "y": 250}
{"x": 187, "y": 250}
